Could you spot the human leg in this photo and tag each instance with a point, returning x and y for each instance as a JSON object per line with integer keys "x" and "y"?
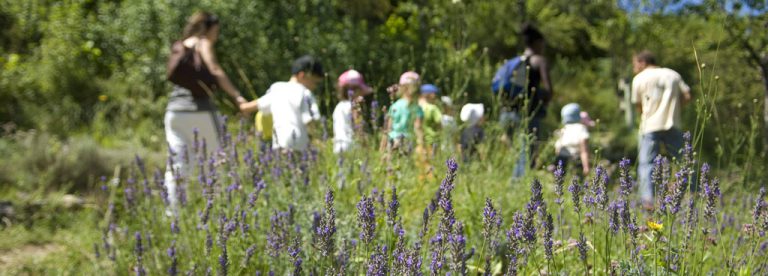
{"x": 648, "y": 149}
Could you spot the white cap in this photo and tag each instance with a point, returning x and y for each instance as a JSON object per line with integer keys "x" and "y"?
{"x": 446, "y": 100}
{"x": 471, "y": 113}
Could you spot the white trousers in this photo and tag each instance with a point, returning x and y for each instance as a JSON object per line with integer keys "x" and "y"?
{"x": 180, "y": 134}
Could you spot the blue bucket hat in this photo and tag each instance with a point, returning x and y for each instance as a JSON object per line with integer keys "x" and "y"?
{"x": 571, "y": 113}
{"x": 429, "y": 89}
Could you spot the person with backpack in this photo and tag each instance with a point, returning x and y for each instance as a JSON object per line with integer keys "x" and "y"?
{"x": 191, "y": 116}
{"x": 525, "y": 88}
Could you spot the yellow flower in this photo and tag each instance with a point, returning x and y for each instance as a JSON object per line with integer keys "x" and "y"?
{"x": 655, "y": 226}
{"x": 102, "y": 98}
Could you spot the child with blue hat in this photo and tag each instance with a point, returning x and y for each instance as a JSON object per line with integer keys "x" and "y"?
{"x": 432, "y": 115}
{"x": 572, "y": 145}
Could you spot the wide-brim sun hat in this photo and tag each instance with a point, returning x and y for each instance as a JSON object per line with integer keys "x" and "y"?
{"x": 354, "y": 78}
{"x": 472, "y": 112}
{"x": 409, "y": 77}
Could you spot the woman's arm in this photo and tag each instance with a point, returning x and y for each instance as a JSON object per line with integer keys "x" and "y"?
{"x": 209, "y": 57}
{"x": 546, "y": 81}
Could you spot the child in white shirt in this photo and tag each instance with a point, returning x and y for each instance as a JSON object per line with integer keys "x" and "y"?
{"x": 572, "y": 145}
{"x": 346, "y": 116}
{"x": 291, "y": 104}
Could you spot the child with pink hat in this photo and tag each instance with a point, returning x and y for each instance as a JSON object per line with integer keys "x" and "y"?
{"x": 404, "y": 116}
{"x": 347, "y": 117}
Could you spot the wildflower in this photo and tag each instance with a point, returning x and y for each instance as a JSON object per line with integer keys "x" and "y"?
{"x": 491, "y": 224}
{"x": 559, "y": 179}
{"x": 248, "y": 254}
{"x": 458, "y": 243}
{"x": 582, "y": 245}
{"x": 392, "y": 207}
{"x": 175, "y": 226}
{"x": 537, "y": 199}
{"x": 613, "y": 219}
{"x": 710, "y": 192}
{"x": 173, "y": 270}
{"x": 598, "y": 187}
{"x": 654, "y": 226}
{"x": 208, "y": 242}
{"x": 327, "y": 226}
{"x": 377, "y": 265}
{"x": 548, "y": 229}
{"x": 690, "y": 223}
{"x": 575, "y": 190}
{"x": 366, "y": 218}
{"x": 625, "y": 180}
{"x": 139, "y": 251}
{"x": 223, "y": 261}
{"x": 679, "y": 188}
{"x": 293, "y": 252}
{"x": 103, "y": 98}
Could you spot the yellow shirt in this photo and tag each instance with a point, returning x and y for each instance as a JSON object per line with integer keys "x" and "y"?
{"x": 264, "y": 125}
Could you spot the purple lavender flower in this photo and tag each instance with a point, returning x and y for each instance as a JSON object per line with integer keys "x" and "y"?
{"x": 575, "y": 190}
{"x": 458, "y": 244}
{"x": 491, "y": 225}
{"x": 139, "y": 251}
{"x": 327, "y": 227}
{"x": 625, "y": 180}
{"x": 377, "y": 265}
{"x": 175, "y": 226}
{"x": 537, "y": 198}
{"x": 599, "y": 187}
{"x": 277, "y": 237}
{"x": 223, "y": 261}
{"x": 710, "y": 191}
{"x": 249, "y": 254}
{"x": 614, "y": 222}
{"x": 548, "y": 229}
{"x": 392, "y": 208}
{"x": 205, "y": 215}
{"x": 690, "y": 223}
{"x": 582, "y": 245}
{"x": 173, "y": 269}
{"x": 293, "y": 251}
{"x": 680, "y": 186}
{"x": 559, "y": 179}
{"x": 759, "y": 209}
{"x": 208, "y": 242}
{"x": 366, "y": 217}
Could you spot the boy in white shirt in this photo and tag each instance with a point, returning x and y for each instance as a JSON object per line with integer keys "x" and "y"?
{"x": 346, "y": 116}
{"x": 572, "y": 143}
{"x": 291, "y": 104}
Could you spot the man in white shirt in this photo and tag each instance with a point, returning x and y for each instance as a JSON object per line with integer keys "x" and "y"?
{"x": 291, "y": 104}
{"x": 659, "y": 93}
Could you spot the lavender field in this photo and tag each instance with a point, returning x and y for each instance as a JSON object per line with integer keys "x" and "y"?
{"x": 250, "y": 210}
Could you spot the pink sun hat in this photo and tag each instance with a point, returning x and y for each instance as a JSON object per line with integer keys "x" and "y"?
{"x": 409, "y": 77}
{"x": 353, "y": 78}
{"x": 586, "y": 120}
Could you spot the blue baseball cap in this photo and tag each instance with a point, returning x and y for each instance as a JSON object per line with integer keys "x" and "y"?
{"x": 429, "y": 89}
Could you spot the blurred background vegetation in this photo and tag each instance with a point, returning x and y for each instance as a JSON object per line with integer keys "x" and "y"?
{"x": 82, "y": 84}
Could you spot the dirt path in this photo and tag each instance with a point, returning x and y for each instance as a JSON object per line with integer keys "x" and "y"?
{"x": 25, "y": 254}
